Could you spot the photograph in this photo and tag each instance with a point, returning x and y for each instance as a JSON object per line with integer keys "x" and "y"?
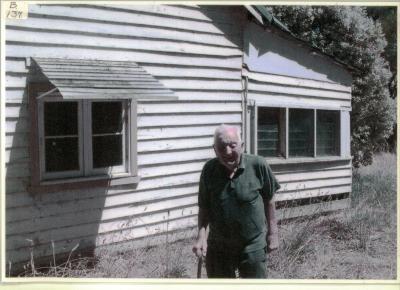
{"x": 242, "y": 142}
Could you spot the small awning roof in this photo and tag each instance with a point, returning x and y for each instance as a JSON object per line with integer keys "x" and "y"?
{"x": 100, "y": 79}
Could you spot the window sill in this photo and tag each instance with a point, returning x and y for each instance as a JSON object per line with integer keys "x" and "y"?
{"x": 302, "y": 160}
{"x": 82, "y": 183}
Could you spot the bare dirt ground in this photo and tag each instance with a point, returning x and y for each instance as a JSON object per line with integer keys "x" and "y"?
{"x": 356, "y": 243}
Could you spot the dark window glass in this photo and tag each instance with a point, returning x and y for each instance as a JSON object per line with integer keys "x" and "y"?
{"x": 328, "y": 130}
{"x": 106, "y": 117}
{"x": 62, "y": 154}
{"x": 60, "y": 118}
{"x": 107, "y": 127}
{"x": 270, "y": 132}
{"x": 301, "y": 132}
{"x": 107, "y": 151}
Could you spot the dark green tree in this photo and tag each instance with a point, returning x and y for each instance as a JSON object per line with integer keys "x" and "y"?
{"x": 350, "y": 35}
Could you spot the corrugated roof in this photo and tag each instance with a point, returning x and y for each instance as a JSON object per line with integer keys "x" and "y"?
{"x": 100, "y": 79}
{"x": 271, "y": 18}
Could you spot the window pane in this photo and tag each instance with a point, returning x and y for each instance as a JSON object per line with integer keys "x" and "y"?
{"x": 62, "y": 154}
{"x": 107, "y": 151}
{"x": 301, "y": 132}
{"x": 106, "y": 117}
{"x": 60, "y": 118}
{"x": 270, "y": 132}
{"x": 328, "y": 130}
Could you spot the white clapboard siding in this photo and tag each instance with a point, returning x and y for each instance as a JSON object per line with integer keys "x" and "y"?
{"x": 67, "y": 202}
{"x": 89, "y": 232}
{"x": 282, "y": 100}
{"x": 148, "y": 184}
{"x": 196, "y": 84}
{"x": 99, "y": 215}
{"x": 55, "y": 206}
{"x": 21, "y": 125}
{"x": 140, "y": 221}
{"x": 20, "y": 151}
{"x": 95, "y": 210}
{"x": 172, "y": 157}
{"x": 211, "y": 95}
{"x": 60, "y": 234}
{"x": 148, "y": 219}
{"x": 307, "y": 193}
{"x": 162, "y": 145}
{"x": 16, "y": 95}
{"x": 16, "y": 185}
{"x": 107, "y": 42}
{"x": 25, "y": 49}
{"x": 190, "y": 72}
{"x": 190, "y": 12}
{"x": 180, "y": 120}
{"x": 131, "y": 18}
{"x": 120, "y": 30}
{"x": 124, "y": 17}
{"x": 15, "y": 65}
{"x": 298, "y": 91}
{"x": 313, "y": 175}
{"x": 312, "y": 184}
{"x": 16, "y": 170}
{"x": 175, "y": 132}
{"x": 188, "y": 107}
{"x": 16, "y": 110}
{"x": 93, "y": 239}
{"x": 16, "y": 140}
{"x": 296, "y": 82}
{"x": 180, "y": 84}
{"x": 16, "y": 155}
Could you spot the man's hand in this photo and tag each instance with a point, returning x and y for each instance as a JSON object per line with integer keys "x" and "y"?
{"x": 200, "y": 247}
{"x": 272, "y": 242}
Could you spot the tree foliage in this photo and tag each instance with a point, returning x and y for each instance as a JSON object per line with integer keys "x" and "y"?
{"x": 387, "y": 16}
{"x": 349, "y": 34}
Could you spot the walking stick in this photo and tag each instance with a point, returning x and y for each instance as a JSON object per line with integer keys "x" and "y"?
{"x": 199, "y": 266}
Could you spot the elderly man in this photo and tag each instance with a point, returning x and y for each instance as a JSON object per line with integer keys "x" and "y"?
{"x": 236, "y": 208}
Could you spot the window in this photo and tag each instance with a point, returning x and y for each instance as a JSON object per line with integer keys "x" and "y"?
{"x": 83, "y": 129}
{"x": 301, "y": 132}
{"x": 271, "y": 132}
{"x": 296, "y": 132}
{"x": 83, "y": 138}
{"x": 328, "y": 132}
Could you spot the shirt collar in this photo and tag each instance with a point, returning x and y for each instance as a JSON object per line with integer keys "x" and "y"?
{"x": 242, "y": 162}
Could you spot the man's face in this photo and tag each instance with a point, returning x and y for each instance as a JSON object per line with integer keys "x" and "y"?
{"x": 228, "y": 148}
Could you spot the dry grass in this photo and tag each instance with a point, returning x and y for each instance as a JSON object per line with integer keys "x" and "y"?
{"x": 358, "y": 243}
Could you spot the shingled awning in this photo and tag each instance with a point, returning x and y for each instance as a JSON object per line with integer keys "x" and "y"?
{"x": 100, "y": 79}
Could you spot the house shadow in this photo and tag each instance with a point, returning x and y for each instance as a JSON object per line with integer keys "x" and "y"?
{"x": 44, "y": 229}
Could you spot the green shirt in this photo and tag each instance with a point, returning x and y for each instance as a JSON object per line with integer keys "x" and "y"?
{"x": 235, "y": 206}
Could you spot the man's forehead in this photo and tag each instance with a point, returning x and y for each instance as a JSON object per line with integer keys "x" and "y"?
{"x": 229, "y": 135}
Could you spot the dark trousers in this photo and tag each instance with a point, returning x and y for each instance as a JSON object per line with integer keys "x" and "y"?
{"x": 223, "y": 264}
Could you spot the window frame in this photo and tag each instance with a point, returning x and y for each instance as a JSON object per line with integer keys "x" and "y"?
{"x": 111, "y": 170}
{"x": 252, "y": 120}
{"x": 42, "y": 143}
{"x": 61, "y": 181}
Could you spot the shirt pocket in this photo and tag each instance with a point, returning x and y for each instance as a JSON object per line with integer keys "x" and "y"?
{"x": 248, "y": 191}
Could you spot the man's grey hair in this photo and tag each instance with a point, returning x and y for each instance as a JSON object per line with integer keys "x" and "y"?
{"x": 221, "y": 129}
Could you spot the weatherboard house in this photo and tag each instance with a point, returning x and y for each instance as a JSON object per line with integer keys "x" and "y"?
{"x": 110, "y": 112}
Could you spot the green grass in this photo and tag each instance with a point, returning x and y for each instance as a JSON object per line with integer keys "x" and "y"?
{"x": 356, "y": 243}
